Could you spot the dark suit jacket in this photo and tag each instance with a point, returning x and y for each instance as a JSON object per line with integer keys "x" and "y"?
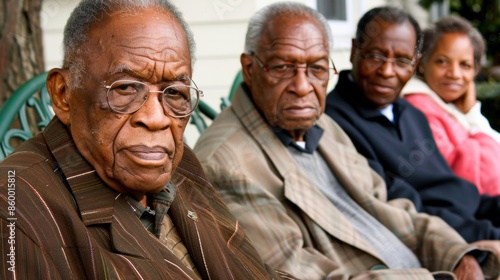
{"x": 405, "y": 154}
{"x": 70, "y": 225}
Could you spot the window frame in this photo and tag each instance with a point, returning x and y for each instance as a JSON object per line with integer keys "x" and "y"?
{"x": 343, "y": 30}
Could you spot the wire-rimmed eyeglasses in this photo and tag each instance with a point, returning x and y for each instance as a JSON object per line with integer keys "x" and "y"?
{"x": 128, "y": 96}
{"x": 376, "y": 60}
{"x": 289, "y": 70}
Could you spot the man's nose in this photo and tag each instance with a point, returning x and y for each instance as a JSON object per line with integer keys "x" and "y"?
{"x": 302, "y": 81}
{"x": 153, "y": 114}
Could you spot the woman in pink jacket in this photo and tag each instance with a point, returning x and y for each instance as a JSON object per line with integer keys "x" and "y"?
{"x": 444, "y": 90}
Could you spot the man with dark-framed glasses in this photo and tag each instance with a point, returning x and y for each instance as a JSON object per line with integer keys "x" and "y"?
{"x": 396, "y": 137}
{"x": 109, "y": 190}
{"x": 307, "y": 200}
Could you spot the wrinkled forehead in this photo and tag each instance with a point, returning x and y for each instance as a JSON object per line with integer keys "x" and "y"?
{"x": 307, "y": 45}
{"x": 148, "y": 24}
{"x": 150, "y": 42}
{"x": 301, "y": 32}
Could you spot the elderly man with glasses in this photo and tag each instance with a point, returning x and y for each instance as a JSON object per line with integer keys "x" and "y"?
{"x": 308, "y": 201}
{"x": 109, "y": 190}
{"x": 396, "y": 137}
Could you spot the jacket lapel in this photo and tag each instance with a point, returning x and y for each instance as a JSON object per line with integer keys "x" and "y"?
{"x": 199, "y": 231}
{"x": 141, "y": 243}
{"x": 309, "y": 199}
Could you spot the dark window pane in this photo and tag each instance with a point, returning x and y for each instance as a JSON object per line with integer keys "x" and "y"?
{"x": 333, "y": 9}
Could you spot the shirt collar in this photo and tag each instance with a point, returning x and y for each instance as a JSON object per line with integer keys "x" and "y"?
{"x": 311, "y": 137}
{"x": 388, "y": 112}
{"x": 160, "y": 203}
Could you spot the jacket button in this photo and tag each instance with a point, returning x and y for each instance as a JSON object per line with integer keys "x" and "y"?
{"x": 192, "y": 215}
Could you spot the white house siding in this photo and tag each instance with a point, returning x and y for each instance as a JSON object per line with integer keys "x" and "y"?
{"x": 219, "y": 28}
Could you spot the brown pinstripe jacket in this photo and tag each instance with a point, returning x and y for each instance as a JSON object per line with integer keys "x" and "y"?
{"x": 70, "y": 225}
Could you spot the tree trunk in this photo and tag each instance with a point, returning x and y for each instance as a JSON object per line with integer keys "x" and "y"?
{"x": 21, "y": 50}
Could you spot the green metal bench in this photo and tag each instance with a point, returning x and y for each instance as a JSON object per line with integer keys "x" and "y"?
{"x": 16, "y": 125}
{"x": 205, "y": 110}
{"x": 197, "y": 118}
{"x": 226, "y": 101}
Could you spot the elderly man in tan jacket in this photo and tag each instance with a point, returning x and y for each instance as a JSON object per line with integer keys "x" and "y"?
{"x": 308, "y": 201}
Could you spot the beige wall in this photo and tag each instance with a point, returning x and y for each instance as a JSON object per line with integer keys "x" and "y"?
{"x": 219, "y": 28}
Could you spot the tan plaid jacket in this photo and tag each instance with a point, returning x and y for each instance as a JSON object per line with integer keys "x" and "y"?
{"x": 293, "y": 225}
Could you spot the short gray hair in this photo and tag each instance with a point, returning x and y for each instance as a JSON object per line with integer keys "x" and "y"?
{"x": 258, "y": 22}
{"x": 453, "y": 24}
{"x": 89, "y": 12}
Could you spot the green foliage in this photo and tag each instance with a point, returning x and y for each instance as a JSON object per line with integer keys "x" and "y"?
{"x": 489, "y": 95}
{"x": 488, "y": 90}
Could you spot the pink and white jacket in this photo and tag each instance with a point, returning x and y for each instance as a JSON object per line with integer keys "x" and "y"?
{"x": 467, "y": 141}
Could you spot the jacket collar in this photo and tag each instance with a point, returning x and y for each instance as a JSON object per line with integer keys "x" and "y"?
{"x": 310, "y": 200}
{"x": 81, "y": 177}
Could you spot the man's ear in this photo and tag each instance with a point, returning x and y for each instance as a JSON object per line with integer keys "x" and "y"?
{"x": 419, "y": 66}
{"x": 246, "y": 68}
{"x": 59, "y": 91}
{"x": 354, "y": 49}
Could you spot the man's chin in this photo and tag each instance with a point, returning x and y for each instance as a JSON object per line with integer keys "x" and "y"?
{"x": 293, "y": 126}
{"x": 146, "y": 184}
